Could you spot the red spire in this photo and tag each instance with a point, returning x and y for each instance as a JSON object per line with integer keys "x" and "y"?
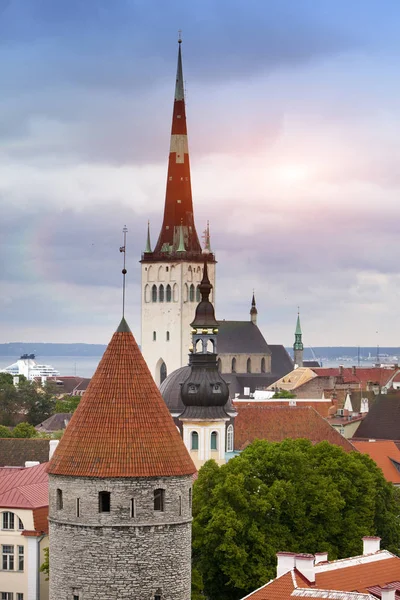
{"x": 178, "y": 208}
{"x": 122, "y": 426}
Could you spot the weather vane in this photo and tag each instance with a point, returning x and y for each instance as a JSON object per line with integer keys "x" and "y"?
{"x": 124, "y": 271}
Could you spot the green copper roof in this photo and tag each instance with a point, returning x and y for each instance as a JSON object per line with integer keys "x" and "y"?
{"x": 298, "y": 327}
{"x": 181, "y": 247}
{"x": 148, "y": 244}
{"x": 123, "y": 327}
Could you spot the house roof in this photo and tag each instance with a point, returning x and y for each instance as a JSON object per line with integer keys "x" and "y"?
{"x": 24, "y": 488}
{"x": 15, "y": 451}
{"x": 321, "y": 406}
{"x": 277, "y": 423}
{"x": 281, "y": 363}
{"x": 385, "y": 453}
{"x": 356, "y": 574}
{"x": 294, "y": 379}
{"x": 55, "y": 422}
{"x": 360, "y": 375}
{"x": 241, "y": 337}
{"x": 382, "y": 422}
{"x": 122, "y": 427}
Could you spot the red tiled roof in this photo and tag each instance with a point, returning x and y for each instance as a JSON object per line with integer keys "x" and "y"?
{"x": 382, "y": 452}
{"x": 322, "y": 407}
{"x": 122, "y": 427}
{"x": 362, "y": 375}
{"x": 24, "y": 488}
{"x": 277, "y": 423}
{"x": 356, "y": 574}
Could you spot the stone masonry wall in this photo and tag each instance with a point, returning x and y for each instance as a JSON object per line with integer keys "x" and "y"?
{"x": 114, "y": 556}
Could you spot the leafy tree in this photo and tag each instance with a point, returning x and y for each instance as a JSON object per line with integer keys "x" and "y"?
{"x": 289, "y": 496}
{"x": 68, "y": 404}
{"x": 284, "y": 394}
{"x": 45, "y": 566}
{"x": 5, "y": 432}
{"x": 10, "y": 404}
{"x": 24, "y": 430}
{"x": 38, "y": 402}
{"x": 5, "y": 379}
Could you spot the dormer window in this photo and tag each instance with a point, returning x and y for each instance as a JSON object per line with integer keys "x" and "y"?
{"x": 217, "y": 388}
{"x": 192, "y": 389}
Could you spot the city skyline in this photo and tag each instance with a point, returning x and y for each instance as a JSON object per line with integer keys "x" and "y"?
{"x": 293, "y": 137}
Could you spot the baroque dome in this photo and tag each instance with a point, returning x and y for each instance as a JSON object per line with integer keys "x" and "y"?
{"x": 171, "y": 389}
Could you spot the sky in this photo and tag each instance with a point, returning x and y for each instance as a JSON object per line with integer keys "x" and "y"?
{"x": 294, "y": 139}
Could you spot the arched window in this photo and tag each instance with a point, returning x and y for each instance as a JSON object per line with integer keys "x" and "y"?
{"x": 163, "y": 372}
{"x": 194, "y": 440}
{"x": 104, "y": 501}
{"x": 191, "y": 293}
{"x": 154, "y": 336}
{"x": 263, "y": 365}
{"x": 249, "y": 365}
{"x": 219, "y": 365}
{"x": 167, "y": 336}
{"x": 154, "y": 293}
{"x": 161, "y": 293}
{"x": 169, "y": 293}
{"x": 147, "y": 293}
{"x": 233, "y": 367}
{"x": 190, "y": 274}
{"x": 176, "y": 294}
{"x": 214, "y": 440}
{"x": 10, "y": 520}
{"x": 229, "y": 438}
{"x": 198, "y": 297}
{"x": 160, "y": 274}
{"x": 150, "y": 274}
{"x": 159, "y": 496}
{"x": 186, "y": 293}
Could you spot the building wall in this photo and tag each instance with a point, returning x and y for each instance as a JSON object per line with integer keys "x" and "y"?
{"x": 204, "y": 451}
{"x": 107, "y": 556}
{"x": 241, "y": 362}
{"x": 25, "y": 581}
{"x": 173, "y": 317}
{"x": 347, "y": 430}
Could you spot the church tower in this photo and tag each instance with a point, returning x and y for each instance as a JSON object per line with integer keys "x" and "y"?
{"x": 120, "y": 489}
{"x": 298, "y": 347}
{"x": 207, "y": 418}
{"x": 171, "y": 272}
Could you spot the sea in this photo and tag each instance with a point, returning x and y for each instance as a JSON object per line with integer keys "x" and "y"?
{"x": 85, "y": 366}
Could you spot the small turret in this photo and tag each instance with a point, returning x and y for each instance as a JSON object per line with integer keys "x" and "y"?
{"x": 148, "y": 243}
{"x": 253, "y": 311}
{"x": 298, "y": 344}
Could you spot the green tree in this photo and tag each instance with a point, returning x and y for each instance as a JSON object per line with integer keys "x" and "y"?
{"x": 38, "y": 401}
{"x": 5, "y": 379}
{"x": 24, "y": 430}
{"x": 45, "y": 566}
{"x": 67, "y": 404}
{"x": 289, "y": 496}
{"x": 10, "y": 404}
{"x": 5, "y": 432}
{"x": 284, "y": 394}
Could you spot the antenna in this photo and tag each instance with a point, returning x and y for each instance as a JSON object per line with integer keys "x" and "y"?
{"x": 123, "y": 249}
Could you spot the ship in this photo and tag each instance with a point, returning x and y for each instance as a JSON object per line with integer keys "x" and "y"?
{"x": 27, "y": 366}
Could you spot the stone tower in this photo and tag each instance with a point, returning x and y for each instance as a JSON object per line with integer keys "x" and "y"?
{"x": 298, "y": 347}
{"x": 120, "y": 490}
{"x": 171, "y": 273}
{"x": 207, "y": 418}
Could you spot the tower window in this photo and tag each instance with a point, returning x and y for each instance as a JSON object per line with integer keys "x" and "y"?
{"x": 167, "y": 336}
{"x": 104, "y": 501}
{"x": 154, "y": 293}
{"x": 161, "y": 293}
{"x": 59, "y": 499}
{"x": 133, "y": 508}
{"x": 163, "y": 372}
{"x": 78, "y": 507}
{"x": 191, "y": 293}
{"x": 229, "y": 439}
{"x": 190, "y": 498}
{"x": 159, "y": 496}
{"x": 168, "y": 293}
{"x": 249, "y": 365}
{"x": 198, "y": 297}
{"x": 194, "y": 442}
{"x": 180, "y": 505}
{"x": 214, "y": 441}
{"x": 219, "y": 365}
{"x": 154, "y": 336}
{"x": 263, "y": 365}
{"x": 233, "y": 367}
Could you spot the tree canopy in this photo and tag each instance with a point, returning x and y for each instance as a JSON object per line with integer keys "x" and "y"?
{"x": 284, "y": 394}
{"x": 34, "y": 401}
{"x": 24, "y": 430}
{"x": 288, "y": 496}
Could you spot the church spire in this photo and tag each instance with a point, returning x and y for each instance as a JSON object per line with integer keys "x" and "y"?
{"x": 253, "y": 310}
{"x": 298, "y": 344}
{"x": 148, "y": 243}
{"x": 178, "y": 208}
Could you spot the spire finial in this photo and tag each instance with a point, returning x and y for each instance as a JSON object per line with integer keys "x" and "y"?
{"x": 124, "y": 271}
{"x": 179, "y": 36}
{"x": 253, "y": 310}
{"x": 148, "y": 249}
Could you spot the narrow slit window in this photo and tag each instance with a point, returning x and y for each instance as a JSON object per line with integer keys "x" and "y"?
{"x": 154, "y": 336}
{"x": 180, "y": 505}
{"x": 20, "y": 558}
{"x": 133, "y": 508}
{"x": 159, "y": 496}
{"x": 60, "y": 503}
{"x": 190, "y": 498}
{"x": 78, "y": 507}
{"x": 104, "y": 501}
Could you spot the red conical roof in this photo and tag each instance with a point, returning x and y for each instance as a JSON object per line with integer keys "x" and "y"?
{"x": 122, "y": 427}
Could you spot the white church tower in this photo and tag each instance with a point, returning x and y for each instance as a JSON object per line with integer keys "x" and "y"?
{"x": 172, "y": 272}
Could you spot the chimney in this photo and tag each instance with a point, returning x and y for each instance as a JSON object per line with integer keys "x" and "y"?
{"x": 321, "y": 557}
{"x": 340, "y": 370}
{"x": 371, "y": 544}
{"x": 388, "y": 592}
{"x": 304, "y": 563}
{"x": 52, "y": 446}
{"x": 31, "y": 463}
{"x": 285, "y": 563}
{"x": 353, "y": 370}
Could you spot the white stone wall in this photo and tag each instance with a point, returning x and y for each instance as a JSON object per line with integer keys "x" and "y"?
{"x": 173, "y": 317}
{"x": 116, "y": 556}
{"x": 241, "y": 362}
{"x": 204, "y": 451}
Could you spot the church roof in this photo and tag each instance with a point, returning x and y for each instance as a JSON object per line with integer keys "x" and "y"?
{"x": 241, "y": 337}
{"x": 122, "y": 427}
